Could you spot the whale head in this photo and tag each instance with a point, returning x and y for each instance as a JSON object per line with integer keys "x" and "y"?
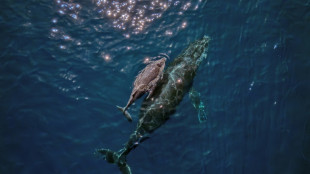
{"x": 194, "y": 54}
{"x": 198, "y": 50}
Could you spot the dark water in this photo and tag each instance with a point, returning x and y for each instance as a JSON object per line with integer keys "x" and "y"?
{"x": 65, "y": 65}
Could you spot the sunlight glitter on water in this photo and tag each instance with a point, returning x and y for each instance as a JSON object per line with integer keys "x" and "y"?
{"x": 136, "y": 14}
{"x": 130, "y": 17}
{"x": 133, "y": 14}
{"x": 64, "y": 9}
{"x": 106, "y": 57}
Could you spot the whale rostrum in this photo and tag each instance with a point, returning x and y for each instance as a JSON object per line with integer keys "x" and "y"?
{"x": 169, "y": 92}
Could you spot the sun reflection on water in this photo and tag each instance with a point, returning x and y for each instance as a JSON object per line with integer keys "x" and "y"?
{"x": 128, "y": 17}
{"x": 135, "y": 14}
{"x": 65, "y": 9}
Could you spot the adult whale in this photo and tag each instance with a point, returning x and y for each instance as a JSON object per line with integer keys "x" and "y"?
{"x": 155, "y": 111}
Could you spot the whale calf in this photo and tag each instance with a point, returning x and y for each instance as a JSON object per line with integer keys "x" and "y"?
{"x": 146, "y": 81}
{"x": 155, "y": 111}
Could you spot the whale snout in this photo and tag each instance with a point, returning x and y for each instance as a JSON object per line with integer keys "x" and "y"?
{"x": 161, "y": 62}
{"x": 205, "y": 40}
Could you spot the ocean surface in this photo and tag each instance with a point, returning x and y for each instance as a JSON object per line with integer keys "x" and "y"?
{"x": 65, "y": 64}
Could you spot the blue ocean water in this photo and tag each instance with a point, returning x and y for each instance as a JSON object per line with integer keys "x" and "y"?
{"x": 64, "y": 65}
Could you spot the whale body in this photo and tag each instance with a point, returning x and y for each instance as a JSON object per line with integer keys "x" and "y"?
{"x": 146, "y": 81}
{"x": 155, "y": 111}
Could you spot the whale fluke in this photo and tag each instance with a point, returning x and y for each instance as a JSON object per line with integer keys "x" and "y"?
{"x": 115, "y": 158}
{"x": 126, "y": 113}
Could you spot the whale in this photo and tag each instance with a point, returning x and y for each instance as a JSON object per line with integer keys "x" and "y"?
{"x": 155, "y": 111}
{"x": 146, "y": 81}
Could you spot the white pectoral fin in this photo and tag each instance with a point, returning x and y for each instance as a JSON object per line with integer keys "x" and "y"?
{"x": 152, "y": 87}
{"x": 161, "y": 76}
{"x": 151, "y": 91}
{"x": 202, "y": 115}
{"x": 198, "y": 104}
{"x": 150, "y": 94}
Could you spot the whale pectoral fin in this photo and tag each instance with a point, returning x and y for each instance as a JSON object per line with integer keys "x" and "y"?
{"x": 202, "y": 115}
{"x": 152, "y": 89}
{"x": 152, "y": 86}
{"x": 151, "y": 92}
{"x": 198, "y": 105}
{"x": 161, "y": 76}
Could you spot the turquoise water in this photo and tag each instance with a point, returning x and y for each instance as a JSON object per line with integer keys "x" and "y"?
{"x": 65, "y": 65}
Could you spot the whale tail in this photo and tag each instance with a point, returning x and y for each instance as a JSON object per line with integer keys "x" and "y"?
{"x": 115, "y": 158}
{"x": 126, "y": 113}
{"x": 119, "y": 158}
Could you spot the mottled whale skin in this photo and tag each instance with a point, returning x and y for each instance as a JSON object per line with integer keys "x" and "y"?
{"x": 155, "y": 111}
{"x": 146, "y": 81}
